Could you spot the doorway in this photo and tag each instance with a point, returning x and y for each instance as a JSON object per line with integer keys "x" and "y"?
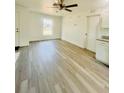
{"x": 92, "y": 29}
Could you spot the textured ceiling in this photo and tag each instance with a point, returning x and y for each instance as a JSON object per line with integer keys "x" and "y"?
{"x": 44, "y": 5}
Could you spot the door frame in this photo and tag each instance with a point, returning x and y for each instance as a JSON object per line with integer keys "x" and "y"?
{"x": 87, "y": 28}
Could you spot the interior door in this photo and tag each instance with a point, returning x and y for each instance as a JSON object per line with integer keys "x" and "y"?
{"x": 93, "y": 24}
{"x": 17, "y": 29}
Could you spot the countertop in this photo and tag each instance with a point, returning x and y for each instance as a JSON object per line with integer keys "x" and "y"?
{"x": 105, "y": 40}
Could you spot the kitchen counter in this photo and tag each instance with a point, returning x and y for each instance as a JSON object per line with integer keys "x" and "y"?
{"x": 105, "y": 40}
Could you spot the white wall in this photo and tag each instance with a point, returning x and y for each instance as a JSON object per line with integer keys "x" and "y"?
{"x": 102, "y": 12}
{"x": 31, "y": 27}
{"x": 36, "y": 26}
{"x": 74, "y": 29}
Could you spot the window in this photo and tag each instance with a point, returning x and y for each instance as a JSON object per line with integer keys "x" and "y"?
{"x": 47, "y": 27}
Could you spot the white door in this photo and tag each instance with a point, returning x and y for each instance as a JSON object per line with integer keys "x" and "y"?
{"x": 17, "y": 29}
{"x": 93, "y": 23}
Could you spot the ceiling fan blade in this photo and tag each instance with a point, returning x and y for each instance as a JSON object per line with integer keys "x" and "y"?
{"x": 73, "y": 5}
{"x": 59, "y": 1}
{"x": 68, "y": 10}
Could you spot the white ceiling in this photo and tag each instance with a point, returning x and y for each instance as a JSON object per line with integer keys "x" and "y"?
{"x": 44, "y": 5}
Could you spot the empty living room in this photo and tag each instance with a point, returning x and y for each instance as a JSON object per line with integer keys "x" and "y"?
{"x": 62, "y": 46}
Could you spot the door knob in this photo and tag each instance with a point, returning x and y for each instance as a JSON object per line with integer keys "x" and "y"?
{"x": 86, "y": 34}
{"x": 17, "y": 30}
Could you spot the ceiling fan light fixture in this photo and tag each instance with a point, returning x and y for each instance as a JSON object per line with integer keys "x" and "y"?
{"x": 56, "y": 1}
{"x": 54, "y": 4}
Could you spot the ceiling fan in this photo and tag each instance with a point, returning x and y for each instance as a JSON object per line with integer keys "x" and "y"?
{"x": 61, "y": 6}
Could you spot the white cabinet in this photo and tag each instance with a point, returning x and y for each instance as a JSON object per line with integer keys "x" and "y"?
{"x": 105, "y": 21}
{"x": 102, "y": 51}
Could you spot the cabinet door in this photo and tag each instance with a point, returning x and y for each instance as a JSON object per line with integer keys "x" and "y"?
{"x": 105, "y": 21}
{"x": 102, "y": 53}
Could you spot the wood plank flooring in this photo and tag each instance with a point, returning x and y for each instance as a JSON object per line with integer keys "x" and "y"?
{"x": 57, "y": 66}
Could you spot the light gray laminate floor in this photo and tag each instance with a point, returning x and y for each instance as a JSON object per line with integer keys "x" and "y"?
{"x": 16, "y": 56}
{"x": 57, "y": 66}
